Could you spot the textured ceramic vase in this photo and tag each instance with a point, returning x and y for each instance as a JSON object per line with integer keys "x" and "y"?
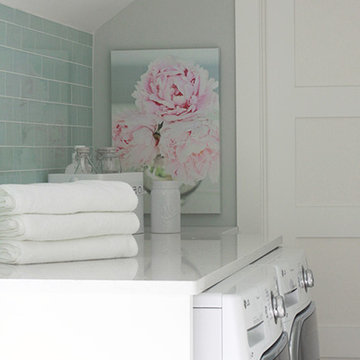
{"x": 165, "y": 207}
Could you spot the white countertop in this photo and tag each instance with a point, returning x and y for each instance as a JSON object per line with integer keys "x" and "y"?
{"x": 186, "y": 263}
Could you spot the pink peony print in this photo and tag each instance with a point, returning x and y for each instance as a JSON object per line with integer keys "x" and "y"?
{"x": 191, "y": 150}
{"x": 175, "y": 90}
{"x": 136, "y": 138}
{"x": 169, "y": 133}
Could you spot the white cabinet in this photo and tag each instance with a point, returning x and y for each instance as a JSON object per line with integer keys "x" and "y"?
{"x": 118, "y": 309}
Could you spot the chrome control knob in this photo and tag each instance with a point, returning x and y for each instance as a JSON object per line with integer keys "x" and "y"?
{"x": 278, "y": 304}
{"x": 308, "y": 278}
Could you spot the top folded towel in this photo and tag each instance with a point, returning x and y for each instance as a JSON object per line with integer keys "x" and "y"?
{"x": 67, "y": 198}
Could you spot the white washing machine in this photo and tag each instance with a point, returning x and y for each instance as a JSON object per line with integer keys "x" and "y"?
{"x": 295, "y": 279}
{"x": 240, "y": 318}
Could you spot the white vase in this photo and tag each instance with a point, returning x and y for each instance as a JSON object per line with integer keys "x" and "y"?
{"x": 165, "y": 207}
{"x": 185, "y": 189}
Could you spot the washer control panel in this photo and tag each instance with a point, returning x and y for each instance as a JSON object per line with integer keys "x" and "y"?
{"x": 295, "y": 279}
{"x": 250, "y": 309}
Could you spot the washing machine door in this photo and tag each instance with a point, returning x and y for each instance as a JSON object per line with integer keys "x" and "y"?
{"x": 304, "y": 341}
{"x": 279, "y": 351}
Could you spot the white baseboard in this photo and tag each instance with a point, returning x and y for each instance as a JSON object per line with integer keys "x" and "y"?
{"x": 338, "y": 342}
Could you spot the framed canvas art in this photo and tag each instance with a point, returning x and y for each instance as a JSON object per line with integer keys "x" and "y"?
{"x": 165, "y": 120}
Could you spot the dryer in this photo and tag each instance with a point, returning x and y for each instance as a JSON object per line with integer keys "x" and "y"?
{"x": 240, "y": 318}
{"x": 295, "y": 280}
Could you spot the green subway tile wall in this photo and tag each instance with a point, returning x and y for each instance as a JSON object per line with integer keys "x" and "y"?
{"x": 45, "y": 95}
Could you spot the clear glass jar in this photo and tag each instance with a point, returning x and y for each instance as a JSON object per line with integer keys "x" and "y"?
{"x": 84, "y": 164}
{"x": 107, "y": 160}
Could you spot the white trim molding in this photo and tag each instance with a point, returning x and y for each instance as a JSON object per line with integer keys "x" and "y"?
{"x": 250, "y": 37}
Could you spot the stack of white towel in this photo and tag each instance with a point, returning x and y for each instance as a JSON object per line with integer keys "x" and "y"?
{"x": 82, "y": 220}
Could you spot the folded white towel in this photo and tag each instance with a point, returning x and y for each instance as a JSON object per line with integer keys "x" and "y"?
{"x": 32, "y": 252}
{"x": 112, "y": 269}
{"x": 67, "y": 198}
{"x": 62, "y": 227}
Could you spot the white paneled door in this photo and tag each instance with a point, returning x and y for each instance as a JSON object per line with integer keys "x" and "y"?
{"x": 308, "y": 96}
{"x": 313, "y": 118}
{"x": 313, "y": 142}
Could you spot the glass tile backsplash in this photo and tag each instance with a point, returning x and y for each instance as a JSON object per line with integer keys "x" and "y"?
{"x": 45, "y": 95}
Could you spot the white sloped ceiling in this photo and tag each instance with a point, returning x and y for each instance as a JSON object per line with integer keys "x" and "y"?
{"x": 85, "y": 15}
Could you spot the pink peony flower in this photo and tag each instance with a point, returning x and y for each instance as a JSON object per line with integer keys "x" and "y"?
{"x": 191, "y": 150}
{"x": 134, "y": 135}
{"x": 173, "y": 89}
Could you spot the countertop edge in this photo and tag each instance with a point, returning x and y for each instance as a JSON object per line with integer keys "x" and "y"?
{"x": 158, "y": 287}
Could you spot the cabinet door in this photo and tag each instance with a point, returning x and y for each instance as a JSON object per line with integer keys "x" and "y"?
{"x": 85, "y": 320}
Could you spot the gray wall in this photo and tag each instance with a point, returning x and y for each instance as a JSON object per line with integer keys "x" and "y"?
{"x": 161, "y": 24}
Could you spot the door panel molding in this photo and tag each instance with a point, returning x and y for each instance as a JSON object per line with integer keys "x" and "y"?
{"x": 327, "y": 161}
{"x": 326, "y": 34}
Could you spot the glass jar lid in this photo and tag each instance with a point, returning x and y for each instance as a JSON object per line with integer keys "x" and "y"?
{"x": 105, "y": 151}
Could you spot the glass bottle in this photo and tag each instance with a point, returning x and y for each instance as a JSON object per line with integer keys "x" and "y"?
{"x": 84, "y": 164}
{"x": 70, "y": 169}
{"x": 108, "y": 160}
